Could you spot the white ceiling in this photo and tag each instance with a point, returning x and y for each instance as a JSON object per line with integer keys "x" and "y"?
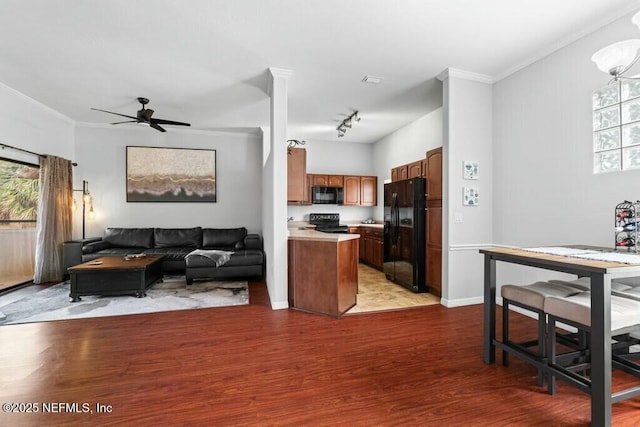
{"x": 205, "y": 61}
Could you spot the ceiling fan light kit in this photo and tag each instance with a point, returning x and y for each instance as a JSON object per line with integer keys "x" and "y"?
{"x": 617, "y": 58}
{"x": 144, "y": 115}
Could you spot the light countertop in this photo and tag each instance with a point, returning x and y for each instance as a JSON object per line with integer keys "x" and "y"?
{"x": 297, "y": 234}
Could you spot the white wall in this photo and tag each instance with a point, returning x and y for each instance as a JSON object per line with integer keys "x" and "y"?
{"x": 29, "y": 125}
{"x": 406, "y": 145}
{"x": 546, "y": 193}
{"x": 337, "y": 158}
{"x": 467, "y": 137}
{"x": 101, "y": 157}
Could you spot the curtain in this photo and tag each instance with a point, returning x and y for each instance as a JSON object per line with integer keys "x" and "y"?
{"x": 54, "y": 217}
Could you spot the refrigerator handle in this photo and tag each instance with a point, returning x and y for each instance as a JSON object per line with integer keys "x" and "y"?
{"x": 396, "y": 220}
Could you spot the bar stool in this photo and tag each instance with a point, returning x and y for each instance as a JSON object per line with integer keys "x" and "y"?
{"x": 575, "y": 310}
{"x": 530, "y": 297}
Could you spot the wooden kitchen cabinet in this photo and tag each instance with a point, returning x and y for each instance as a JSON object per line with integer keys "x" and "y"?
{"x": 433, "y": 212}
{"x": 360, "y": 190}
{"x": 320, "y": 180}
{"x": 368, "y": 191}
{"x": 394, "y": 174}
{"x": 335, "y": 180}
{"x": 434, "y": 173}
{"x": 323, "y": 275}
{"x": 328, "y": 180}
{"x": 400, "y": 173}
{"x": 351, "y": 193}
{"x": 307, "y": 190}
{"x": 414, "y": 170}
{"x": 433, "y": 253}
{"x": 372, "y": 246}
{"x": 296, "y": 174}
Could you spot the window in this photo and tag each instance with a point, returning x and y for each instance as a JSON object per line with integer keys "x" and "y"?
{"x": 18, "y": 213}
{"x": 616, "y": 127}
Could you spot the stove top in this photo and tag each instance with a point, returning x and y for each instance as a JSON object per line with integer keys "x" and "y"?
{"x": 328, "y": 223}
{"x": 335, "y": 229}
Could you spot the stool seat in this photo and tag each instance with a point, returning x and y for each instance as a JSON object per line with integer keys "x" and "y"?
{"x": 584, "y": 284}
{"x": 534, "y": 295}
{"x": 625, "y": 312}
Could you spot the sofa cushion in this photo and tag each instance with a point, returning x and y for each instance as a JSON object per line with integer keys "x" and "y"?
{"x": 170, "y": 254}
{"x": 238, "y": 259}
{"x": 129, "y": 237}
{"x": 177, "y": 237}
{"x": 223, "y": 238}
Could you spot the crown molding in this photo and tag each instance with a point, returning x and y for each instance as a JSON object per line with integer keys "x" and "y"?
{"x": 465, "y": 75}
{"x": 37, "y": 104}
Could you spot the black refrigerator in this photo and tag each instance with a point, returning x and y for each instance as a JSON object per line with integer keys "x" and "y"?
{"x": 404, "y": 233}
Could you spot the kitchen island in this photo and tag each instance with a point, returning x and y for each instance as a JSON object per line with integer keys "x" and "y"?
{"x": 323, "y": 271}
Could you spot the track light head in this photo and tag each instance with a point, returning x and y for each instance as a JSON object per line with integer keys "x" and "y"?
{"x": 347, "y": 124}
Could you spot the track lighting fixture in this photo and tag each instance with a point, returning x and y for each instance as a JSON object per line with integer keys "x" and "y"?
{"x": 347, "y": 124}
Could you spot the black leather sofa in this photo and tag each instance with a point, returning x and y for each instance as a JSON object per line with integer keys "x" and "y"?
{"x": 174, "y": 244}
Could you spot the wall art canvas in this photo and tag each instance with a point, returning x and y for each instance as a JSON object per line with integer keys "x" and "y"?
{"x": 170, "y": 175}
{"x": 471, "y": 170}
{"x": 470, "y": 196}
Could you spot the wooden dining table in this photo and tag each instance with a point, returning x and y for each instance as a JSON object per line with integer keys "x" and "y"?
{"x": 601, "y": 274}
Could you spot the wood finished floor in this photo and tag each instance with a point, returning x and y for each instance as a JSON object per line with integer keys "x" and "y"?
{"x": 251, "y": 365}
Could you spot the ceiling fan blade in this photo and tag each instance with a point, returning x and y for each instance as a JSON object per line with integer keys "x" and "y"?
{"x": 117, "y": 114}
{"x": 169, "y": 122}
{"x": 155, "y": 126}
{"x": 128, "y": 121}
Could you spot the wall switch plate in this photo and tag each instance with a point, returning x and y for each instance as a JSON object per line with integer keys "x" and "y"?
{"x": 457, "y": 217}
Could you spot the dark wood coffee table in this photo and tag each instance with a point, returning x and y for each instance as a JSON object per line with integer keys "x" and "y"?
{"x": 115, "y": 276}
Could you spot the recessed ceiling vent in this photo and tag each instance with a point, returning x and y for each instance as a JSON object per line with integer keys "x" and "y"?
{"x": 372, "y": 80}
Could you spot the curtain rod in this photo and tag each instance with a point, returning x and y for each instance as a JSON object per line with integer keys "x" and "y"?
{"x": 3, "y": 146}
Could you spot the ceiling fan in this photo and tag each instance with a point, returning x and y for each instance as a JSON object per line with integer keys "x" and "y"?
{"x": 144, "y": 116}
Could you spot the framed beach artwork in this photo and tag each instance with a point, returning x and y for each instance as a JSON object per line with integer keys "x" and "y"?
{"x": 157, "y": 174}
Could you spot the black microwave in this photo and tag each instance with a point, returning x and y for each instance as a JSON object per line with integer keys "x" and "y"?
{"x": 326, "y": 195}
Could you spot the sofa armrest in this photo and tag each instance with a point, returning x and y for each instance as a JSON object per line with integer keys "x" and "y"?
{"x": 253, "y": 241}
{"x": 95, "y": 246}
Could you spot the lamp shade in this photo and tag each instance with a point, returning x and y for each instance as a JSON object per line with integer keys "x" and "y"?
{"x": 616, "y": 57}
{"x": 636, "y": 20}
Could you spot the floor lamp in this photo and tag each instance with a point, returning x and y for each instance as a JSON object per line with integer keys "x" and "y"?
{"x": 87, "y": 200}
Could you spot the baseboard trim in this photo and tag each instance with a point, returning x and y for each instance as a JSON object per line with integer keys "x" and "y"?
{"x": 461, "y": 302}
{"x": 279, "y": 305}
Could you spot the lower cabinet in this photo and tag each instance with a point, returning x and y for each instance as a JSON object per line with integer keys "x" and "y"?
{"x": 371, "y": 246}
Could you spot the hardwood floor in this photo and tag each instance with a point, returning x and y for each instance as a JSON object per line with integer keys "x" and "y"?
{"x": 250, "y": 365}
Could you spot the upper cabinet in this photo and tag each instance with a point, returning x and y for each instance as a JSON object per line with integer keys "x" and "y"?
{"x": 328, "y": 180}
{"x": 368, "y": 190}
{"x": 434, "y": 173}
{"x": 415, "y": 169}
{"x": 400, "y": 173}
{"x": 360, "y": 190}
{"x": 297, "y": 175}
{"x": 351, "y": 191}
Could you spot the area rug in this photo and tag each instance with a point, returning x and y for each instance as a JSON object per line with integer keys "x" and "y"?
{"x": 376, "y": 294}
{"x": 172, "y": 294}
